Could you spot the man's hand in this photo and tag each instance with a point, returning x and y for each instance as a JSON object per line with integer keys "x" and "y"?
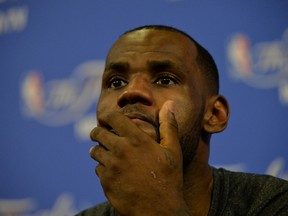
{"x": 140, "y": 176}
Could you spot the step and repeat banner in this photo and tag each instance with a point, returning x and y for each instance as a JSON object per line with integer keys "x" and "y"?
{"x": 51, "y": 59}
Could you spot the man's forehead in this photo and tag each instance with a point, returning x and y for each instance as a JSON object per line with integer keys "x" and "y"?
{"x": 154, "y": 40}
{"x": 139, "y": 35}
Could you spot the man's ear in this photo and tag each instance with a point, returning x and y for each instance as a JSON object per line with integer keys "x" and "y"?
{"x": 217, "y": 114}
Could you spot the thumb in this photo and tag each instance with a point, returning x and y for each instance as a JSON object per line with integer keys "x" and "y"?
{"x": 169, "y": 128}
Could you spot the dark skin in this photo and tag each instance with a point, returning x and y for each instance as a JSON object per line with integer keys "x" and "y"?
{"x": 155, "y": 117}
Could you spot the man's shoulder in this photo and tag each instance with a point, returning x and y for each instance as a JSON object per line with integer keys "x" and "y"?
{"x": 252, "y": 193}
{"x": 253, "y": 180}
{"x": 253, "y": 185}
{"x": 104, "y": 209}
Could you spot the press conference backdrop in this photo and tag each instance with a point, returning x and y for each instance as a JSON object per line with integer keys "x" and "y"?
{"x": 51, "y": 59}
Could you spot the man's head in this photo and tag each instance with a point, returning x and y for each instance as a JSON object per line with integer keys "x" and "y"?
{"x": 152, "y": 64}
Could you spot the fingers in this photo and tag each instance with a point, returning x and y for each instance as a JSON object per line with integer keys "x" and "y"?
{"x": 113, "y": 130}
{"x": 100, "y": 154}
{"x": 103, "y": 136}
{"x": 169, "y": 128}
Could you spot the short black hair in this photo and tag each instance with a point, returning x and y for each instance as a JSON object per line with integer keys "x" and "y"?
{"x": 204, "y": 59}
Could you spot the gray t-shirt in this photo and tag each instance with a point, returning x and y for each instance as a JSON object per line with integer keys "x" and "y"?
{"x": 234, "y": 193}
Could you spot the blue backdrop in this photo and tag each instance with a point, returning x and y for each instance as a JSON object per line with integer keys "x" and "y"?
{"x": 51, "y": 59}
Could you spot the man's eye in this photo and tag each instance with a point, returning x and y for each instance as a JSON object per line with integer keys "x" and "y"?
{"x": 166, "y": 80}
{"x": 117, "y": 83}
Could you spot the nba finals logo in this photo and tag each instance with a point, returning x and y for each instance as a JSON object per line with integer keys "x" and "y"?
{"x": 263, "y": 65}
{"x": 59, "y": 102}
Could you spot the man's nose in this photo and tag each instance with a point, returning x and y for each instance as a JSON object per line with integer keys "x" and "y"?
{"x": 138, "y": 90}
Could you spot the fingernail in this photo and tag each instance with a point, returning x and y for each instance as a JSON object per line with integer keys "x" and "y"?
{"x": 91, "y": 150}
{"x": 171, "y": 106}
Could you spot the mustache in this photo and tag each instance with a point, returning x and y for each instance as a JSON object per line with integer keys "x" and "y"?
{"x": 136, "y": 111}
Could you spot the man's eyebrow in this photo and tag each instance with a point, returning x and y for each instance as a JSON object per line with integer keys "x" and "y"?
{"x": 162, "y": 65}
{"x": 117, "y": 66}
{"x": 154, "y": 66}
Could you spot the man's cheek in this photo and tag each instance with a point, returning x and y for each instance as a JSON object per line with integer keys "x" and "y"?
{"x": 105, "y": 106}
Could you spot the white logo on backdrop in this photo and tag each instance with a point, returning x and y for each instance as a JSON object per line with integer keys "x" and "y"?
{"x": 60, "y": 102}
{"x": 64, "y": 206}
{"x": 14, "y": 19}
{"x": 263, "y": 65}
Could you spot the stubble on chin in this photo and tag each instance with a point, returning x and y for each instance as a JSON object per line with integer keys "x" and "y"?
{"x": 189, "y": 138}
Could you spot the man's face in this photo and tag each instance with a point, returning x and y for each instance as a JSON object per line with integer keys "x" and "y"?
{"x": 148, "y": 67}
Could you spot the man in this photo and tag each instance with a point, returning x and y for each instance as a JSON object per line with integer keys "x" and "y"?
{"x": 159, "y": 106}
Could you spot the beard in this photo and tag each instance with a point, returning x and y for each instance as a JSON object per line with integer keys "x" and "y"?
{"x": 190, "y": 137}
